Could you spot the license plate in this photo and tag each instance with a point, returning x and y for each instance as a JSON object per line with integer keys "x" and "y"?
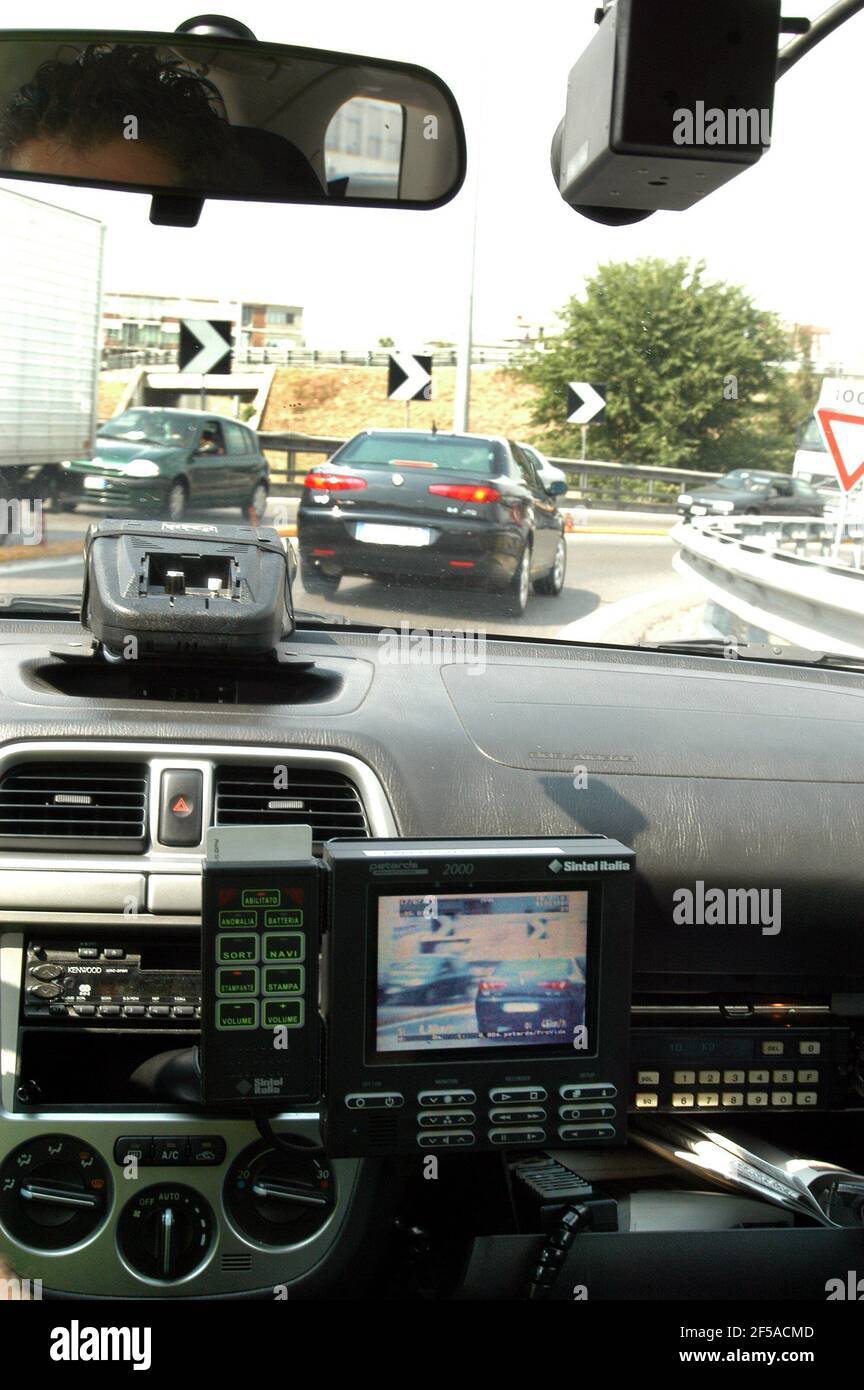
{"x": 376, "y": 534}
{"x": 699, "y": 511}
{"x": 520, "y": 1008}
{"x": 95, "y": 484}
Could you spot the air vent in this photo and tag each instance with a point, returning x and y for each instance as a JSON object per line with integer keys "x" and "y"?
{"x": 74, "y": 806}
{"x": 234, "y": 1264}
{"x": 268, "y": 795}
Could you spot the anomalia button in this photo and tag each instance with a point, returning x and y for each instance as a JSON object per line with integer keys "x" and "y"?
{"x": 180, "y": 796}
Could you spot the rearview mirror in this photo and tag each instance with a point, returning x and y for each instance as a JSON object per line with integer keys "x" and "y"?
{"x": 223, "y": 117}
{"x": 556, "y": 487}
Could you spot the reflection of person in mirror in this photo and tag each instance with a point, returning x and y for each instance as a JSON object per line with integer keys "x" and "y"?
{"x": 119, "y": 114}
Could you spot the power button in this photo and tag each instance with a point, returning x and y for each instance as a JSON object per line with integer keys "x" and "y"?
{"x": 180, "y": 798}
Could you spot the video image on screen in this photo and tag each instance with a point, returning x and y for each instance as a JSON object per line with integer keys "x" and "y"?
{"x": 481, "y": 970}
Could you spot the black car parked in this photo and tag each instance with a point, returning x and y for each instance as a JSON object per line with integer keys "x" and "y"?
{"x": 751, "y": 492}
{"x": 405, "y": 502}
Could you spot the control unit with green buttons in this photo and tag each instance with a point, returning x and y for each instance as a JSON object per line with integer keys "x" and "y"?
{"x": 260, "y": 939}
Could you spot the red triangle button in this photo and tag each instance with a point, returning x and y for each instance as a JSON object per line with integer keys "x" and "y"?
{"x": 181, "y": 807}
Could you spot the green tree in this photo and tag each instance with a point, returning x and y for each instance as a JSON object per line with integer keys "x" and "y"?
{"x": 693, "y": 369}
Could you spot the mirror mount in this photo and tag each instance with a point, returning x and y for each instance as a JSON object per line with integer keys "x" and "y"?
{"x": 167, "y": 210}
{"x": 217, "y": 26}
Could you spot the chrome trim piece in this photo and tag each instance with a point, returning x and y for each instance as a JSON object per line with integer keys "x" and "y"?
{"x": 78, "y": 892}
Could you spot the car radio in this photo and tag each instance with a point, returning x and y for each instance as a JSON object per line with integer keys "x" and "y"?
{"x": 154, "y": 984}
{"x": 477, "y": 994}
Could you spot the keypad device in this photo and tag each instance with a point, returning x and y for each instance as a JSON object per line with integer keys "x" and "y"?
{"x": 260, "y": 946}
{"x": 735, "y": 1068}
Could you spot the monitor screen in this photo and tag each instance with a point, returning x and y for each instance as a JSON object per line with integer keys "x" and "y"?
{"x": 481, "y": 970}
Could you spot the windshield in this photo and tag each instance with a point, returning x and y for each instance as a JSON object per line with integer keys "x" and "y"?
{"x": 150, "y": 426}
{"x": 460, "y": 455}
{"x": 373, "y": 382}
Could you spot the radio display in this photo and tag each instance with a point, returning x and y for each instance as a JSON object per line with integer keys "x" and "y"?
{"x": 481, "y": 970}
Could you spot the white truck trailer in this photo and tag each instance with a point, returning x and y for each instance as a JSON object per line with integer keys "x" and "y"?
{"x": 50, "y": 339}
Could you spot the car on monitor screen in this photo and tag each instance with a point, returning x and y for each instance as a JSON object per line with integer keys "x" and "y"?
{"x": 532, "y": 995}
{"x": 426, "y": 979}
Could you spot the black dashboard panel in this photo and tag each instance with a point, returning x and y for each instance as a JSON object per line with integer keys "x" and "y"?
{"x": 713, "y": 771}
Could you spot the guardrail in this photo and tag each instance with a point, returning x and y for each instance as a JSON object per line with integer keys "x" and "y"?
{"x": 125, "y": 357}
{"x": 592, "y": 482}
{"x": 778, "y": 576}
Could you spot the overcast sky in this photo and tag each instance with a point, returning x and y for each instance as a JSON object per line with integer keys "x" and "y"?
{"x": 789, "y": 229}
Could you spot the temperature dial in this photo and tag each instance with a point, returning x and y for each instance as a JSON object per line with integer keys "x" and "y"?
{"x": 54, "y": 1192}
{"x": 166, "y": 1231}
{"x": 279, "y": 1198}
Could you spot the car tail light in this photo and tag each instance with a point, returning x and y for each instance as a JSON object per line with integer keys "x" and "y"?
{"x": 486, "y": 986}
{"x": 465, "y": 492}
{"x": 333, "y": 482}
{"x": 553, "y": 984}
{"x": 461, "y": 564}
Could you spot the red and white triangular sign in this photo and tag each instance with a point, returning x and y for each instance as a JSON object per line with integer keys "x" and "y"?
{"x": 844, "y": 436}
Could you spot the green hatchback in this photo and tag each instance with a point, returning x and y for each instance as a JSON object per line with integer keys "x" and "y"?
{"x": 150, "y": 458}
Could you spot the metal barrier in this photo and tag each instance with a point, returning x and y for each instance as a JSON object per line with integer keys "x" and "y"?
{"x": 592, "y": 482}
{"x": 777, "y": 575}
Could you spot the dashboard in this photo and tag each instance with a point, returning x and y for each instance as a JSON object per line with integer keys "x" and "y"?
{"x": 713, "y": 773}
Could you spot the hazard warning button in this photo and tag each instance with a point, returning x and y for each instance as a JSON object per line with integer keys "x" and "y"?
{"x": 180, "y": 796}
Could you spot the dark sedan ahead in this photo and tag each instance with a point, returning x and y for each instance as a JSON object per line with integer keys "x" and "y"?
{"x": 466, "y": 507}
{"x": 748, "y": 492}
{"x": 537, "y": 996}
